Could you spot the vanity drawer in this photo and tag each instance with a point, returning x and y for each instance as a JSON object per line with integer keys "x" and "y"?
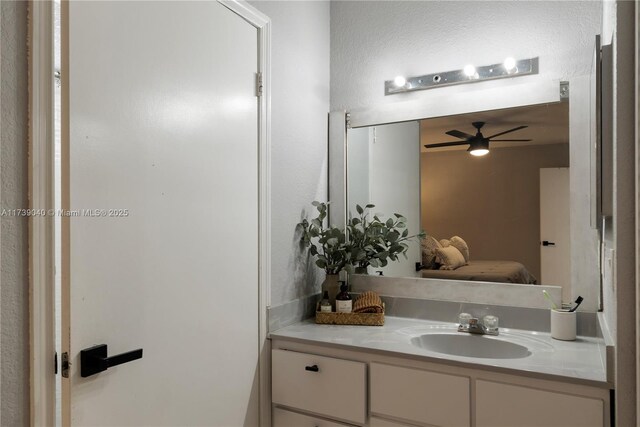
{"x": 337, "y": 389}
{"x": 284, "y": 418}
{"x": 420, "y": 396}
{"x": 505, "y": 405}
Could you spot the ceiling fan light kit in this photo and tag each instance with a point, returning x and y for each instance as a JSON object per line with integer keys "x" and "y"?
{"x": 479, "y": 147}
{"x": 478, "y": 143}
{"x": 479, "y": 152}
{"x": 469, "y": 74}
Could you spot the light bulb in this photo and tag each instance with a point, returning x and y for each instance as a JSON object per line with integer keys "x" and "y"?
{"x": 399, "y": 81}
{"x": 479, "y": 152}
{"x": 470, "y": 70}
{"x": 509, "y": 63}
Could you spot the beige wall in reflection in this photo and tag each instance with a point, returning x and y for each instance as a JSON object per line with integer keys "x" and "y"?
{"x": 493, "y": 202}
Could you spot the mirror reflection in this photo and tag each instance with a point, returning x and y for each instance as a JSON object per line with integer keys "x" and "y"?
{"x": 503, "y": 216}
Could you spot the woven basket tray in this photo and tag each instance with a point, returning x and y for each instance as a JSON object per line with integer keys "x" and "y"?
{"x": 363, "y": 319}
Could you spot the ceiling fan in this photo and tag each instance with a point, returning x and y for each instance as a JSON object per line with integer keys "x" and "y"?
{"x": 478, "y": 143}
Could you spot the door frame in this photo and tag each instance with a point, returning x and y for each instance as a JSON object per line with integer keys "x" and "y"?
{"x": 41, "y": 227}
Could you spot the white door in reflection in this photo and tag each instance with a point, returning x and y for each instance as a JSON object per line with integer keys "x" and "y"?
{"x": 555, "y": 242}
{"x": 384, "y": 170}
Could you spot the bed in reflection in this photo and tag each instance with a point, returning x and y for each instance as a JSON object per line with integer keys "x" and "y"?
{"x": 449, "y": 259}
{"x": 485, "y": 271}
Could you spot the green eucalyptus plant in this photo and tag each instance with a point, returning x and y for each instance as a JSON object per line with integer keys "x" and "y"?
{"x": 374, "y": 241}
{"x": 328, "y": 243}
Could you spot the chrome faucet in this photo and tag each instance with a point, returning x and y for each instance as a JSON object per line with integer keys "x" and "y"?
{"x": 472, "y": 325}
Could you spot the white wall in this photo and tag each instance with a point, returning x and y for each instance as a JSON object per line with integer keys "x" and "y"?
{"x": 14, "y": 288}
{"x": 619, "y": 27}
{"x": 622, "y": 151}
{"x": 584, "y": 240}
{"x": 608, "y": 20}
{"x": 375, "y": 41}
{"x": 299, "y": 108}
{"x": 609, "y": 305}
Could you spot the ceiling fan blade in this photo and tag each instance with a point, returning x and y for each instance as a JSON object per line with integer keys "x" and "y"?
{"x": 507, "y": 131}
{"x": 511, "y": 140}
{"x": 446, "y": 144}
{"x": 459, "y": 134}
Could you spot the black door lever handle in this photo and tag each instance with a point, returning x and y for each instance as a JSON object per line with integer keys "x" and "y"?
{"x": 94, "y": 360}
{"x": 547, "y": 243}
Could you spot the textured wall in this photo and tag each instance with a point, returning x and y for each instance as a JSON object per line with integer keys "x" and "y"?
{"x": 622, "y": 312}
{"x": 609, "y": 296}
{"x": 375, "y": 41}
{"x": 492, "y": 202}
{"x": 299, "y": 107}
{"x": 14, "y": 301}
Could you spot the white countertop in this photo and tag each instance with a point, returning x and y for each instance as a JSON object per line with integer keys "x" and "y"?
{"x": 577, "y": 361}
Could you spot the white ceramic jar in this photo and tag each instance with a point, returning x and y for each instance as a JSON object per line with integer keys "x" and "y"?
{"x": 563, "y": 325}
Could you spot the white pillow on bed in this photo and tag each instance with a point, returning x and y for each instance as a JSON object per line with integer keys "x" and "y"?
{"x": 461, "y": 245}
{"x": 450, "y": 258}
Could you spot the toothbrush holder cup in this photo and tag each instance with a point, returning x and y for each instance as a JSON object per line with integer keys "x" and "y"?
{"x": 563, "y": 325}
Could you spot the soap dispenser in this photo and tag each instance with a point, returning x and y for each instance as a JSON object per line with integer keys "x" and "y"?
{"x": 325, "y": 304}
{"x": 344, "y": 303}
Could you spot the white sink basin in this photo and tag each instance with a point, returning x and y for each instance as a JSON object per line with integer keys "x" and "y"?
{"x": 470, "y": 345}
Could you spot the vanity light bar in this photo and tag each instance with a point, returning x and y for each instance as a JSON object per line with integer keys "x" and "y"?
{"x": 522, "y": 67}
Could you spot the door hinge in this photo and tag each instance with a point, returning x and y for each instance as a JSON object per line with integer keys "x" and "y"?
{"x": 259, "y": 85}
{"x": 65, "y": 365}
{"x": 564, "y": 91}
{"x": 55, "y": 364}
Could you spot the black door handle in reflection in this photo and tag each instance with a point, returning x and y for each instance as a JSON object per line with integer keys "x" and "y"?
{"x": 313, "y": 368}
{"x": 547, "y": 243}
{"x": 94, "y": 360}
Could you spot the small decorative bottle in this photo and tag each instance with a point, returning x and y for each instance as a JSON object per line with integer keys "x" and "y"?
{"x": 325, "y": 304}
{"x": 343, "y": 300}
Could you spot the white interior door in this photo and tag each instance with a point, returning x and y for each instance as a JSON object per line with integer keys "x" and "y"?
{"x": 162, "y": 144}
{"x": 555, "y": 244}
{"x": 394, "y": 179}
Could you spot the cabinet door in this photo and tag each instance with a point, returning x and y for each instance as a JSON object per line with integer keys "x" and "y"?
{"x": 503, "y": 405}
{"x": 420, "y": 396}
{"x": 284, "y": 418}
{"x": 334, "y": 388}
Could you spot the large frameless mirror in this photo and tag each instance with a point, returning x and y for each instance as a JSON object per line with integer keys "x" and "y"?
{"x": 521, "y": 214}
